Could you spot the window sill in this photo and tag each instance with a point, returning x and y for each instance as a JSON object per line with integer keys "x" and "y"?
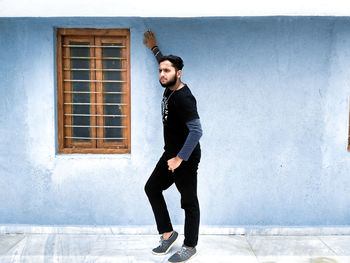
{"x": 92, "y": 156}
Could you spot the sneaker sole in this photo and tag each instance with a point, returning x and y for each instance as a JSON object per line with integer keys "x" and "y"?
{"x": 164, "y": 253}
{"x": 186, "y": 259}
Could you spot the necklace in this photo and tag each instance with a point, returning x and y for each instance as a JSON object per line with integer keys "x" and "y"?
{"x": 165, "y": 109}
{"x": 165, "y": 99}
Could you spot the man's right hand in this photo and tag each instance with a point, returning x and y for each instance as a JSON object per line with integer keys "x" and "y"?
{"x": 150, "y": 40}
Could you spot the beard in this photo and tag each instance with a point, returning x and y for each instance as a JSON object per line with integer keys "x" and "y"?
{"x": 169, "y": 83}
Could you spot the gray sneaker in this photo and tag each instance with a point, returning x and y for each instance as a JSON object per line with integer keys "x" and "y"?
{"x": 184, "y": 254}
{"x": 165, "y": 244}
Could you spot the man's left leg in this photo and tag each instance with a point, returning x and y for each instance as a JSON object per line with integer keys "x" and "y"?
{"x": 186, "y": 182}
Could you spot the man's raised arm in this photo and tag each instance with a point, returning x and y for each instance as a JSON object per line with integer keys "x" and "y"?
{"x": 151, "y": 42}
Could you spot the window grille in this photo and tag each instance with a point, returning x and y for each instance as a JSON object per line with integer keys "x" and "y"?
{"x": 93, "y": 90}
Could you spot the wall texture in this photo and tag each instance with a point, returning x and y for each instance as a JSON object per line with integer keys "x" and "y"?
{"x": 272, "y": 95}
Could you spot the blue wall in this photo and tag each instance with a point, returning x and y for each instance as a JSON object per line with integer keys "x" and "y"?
{"x": 272, "y": 95}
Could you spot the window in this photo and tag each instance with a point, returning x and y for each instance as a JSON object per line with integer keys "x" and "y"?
{"x": 93, "y": 90}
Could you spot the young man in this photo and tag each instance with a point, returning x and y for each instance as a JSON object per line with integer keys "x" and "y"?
{"x": 179, "y": 162}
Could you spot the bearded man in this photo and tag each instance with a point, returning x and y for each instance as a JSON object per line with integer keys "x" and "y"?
{"x": 179, "y": 162}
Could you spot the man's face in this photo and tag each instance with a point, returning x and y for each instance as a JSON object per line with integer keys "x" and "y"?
{"x": 167, "y": 74}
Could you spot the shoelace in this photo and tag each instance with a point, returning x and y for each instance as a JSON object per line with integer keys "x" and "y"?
{"x": 183, "y": 251}
{"x": 161, "y": 242}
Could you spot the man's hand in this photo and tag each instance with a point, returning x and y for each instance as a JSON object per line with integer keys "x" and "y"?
{"x": 151, "y": 40}
{"x": 173, "y": 163}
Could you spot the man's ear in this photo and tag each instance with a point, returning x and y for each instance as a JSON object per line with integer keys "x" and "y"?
{"x": 179, "y": 73}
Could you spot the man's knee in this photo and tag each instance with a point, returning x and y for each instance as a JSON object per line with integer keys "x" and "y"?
{"x": 147, "y": 188}
{"x": 151, "y": 189}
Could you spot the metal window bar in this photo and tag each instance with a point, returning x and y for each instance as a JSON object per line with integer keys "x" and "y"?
{"x": 95, "y": 58}
{"x": 87, "y": 80}
{"x": 86, "y": 103}
{"x": 95, "y": 92}
{"x": 95, "y": 126}
{"x": 96, "y": 115}
{"x": 94, "y": 69}
{"x": 94, "y": 138}
{"x": 93, "y": 46}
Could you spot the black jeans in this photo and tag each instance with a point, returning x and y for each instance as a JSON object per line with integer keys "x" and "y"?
{"x": 185, "y": 178}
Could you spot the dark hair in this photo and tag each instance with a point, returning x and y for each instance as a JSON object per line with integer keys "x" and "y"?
{"x": 175, "y": 60}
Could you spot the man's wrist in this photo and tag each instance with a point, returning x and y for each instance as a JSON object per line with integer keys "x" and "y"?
{"x": 154, "y": 47}
{"x": 179, "y": 158}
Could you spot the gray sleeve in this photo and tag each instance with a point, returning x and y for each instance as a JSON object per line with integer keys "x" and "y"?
{"x": 192, "y": 139}
{"x": 157, "y": 53}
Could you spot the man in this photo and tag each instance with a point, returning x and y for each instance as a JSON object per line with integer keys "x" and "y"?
{"x": 179, "y": 162}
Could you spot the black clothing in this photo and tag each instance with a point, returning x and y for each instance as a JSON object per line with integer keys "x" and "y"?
{"x": 157, "y": 53}
{"x": 178, "y": 107}
{"x": 185, "y": 178}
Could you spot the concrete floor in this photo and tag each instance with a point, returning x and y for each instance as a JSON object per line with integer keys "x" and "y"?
{"x": 72, "y": 248}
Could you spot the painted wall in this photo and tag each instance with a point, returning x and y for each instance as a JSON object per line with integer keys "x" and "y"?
{"x": 272, "y": 95}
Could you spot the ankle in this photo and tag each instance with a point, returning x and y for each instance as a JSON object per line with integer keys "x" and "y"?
{"x": 167, "y": 235}
{"x": 190, "y": 248}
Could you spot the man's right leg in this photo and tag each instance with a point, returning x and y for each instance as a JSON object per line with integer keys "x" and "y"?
{"x": 160, "y": 180}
